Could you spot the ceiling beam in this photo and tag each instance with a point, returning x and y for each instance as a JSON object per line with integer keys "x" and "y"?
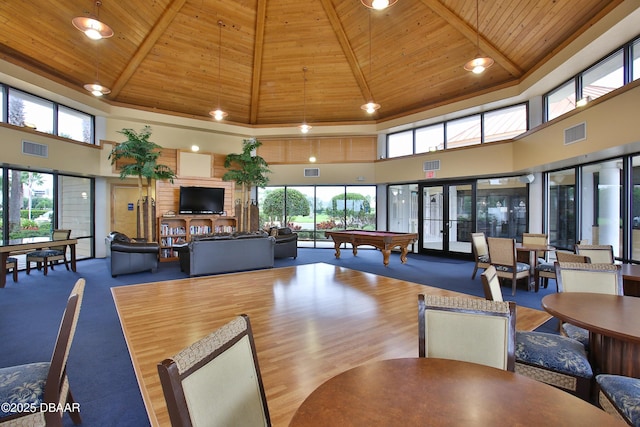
{"x": 470, "y": 33}
{"x": 258, "y": 51}
{"x": 147, "y": 44}
{"x": 347, "y": 50}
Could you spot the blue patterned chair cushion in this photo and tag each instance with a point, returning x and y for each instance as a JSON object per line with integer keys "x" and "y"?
{"x": 12, "y": 260}
{"x": 23, "y": 384}
{"x": 553, "y": 352}
{"x": 519, "y": 267}
{"x": 44, "y": 253}
{"x": 577, "y": 333}
{"x": 546, "y": 266}
{"x": 624, "y": 393}
{"x": 483, "y": 258}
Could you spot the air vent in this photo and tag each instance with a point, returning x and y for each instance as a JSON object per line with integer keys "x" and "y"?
{"x": 311, "y": 172}
{"x": 575, "y": 133}
{"x": 431, "y": 165}
{"x": 34, "y": 149}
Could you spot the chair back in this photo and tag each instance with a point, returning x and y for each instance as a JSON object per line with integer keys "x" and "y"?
{"x": 502, "y": 251}
{"x": 467, "y": 329}
{"x": 216, "y": 381}
{"x": 479, "y": 245}
{"x": 582, "y": 277}
{"x": 491, "y": 284}
{"x": 60, "y": 235}
{"x": 563, "y": 256}
{"x": 599, "y": 254}
{"x": 55, "y": 391}
{"x": 536, "y": 239}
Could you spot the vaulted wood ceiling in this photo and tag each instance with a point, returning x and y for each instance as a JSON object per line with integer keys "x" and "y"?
{"x": 409, "y": 57}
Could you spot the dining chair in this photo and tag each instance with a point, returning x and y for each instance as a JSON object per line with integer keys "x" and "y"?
{"x": 467, "y": 329}
{"x": 12, "y": 264}
{"x": 480, "y": 252}
{"x": 42, "y": 386}
{"x": 543, "y": 270}
{"x": 548, "y": 270}
{"x": 216, "y": 381}
{"x": 599, "y": 254}
{"x": 47, "y": 257}
{"x": 491, "y": 284}
{"x": 502, "y": 252}
{"x": 620, "y": 396}
{"x": 585, "y": 277}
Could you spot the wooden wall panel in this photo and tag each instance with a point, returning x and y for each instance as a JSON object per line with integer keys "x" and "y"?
{"x": 326, "y": 150}
{"x": 168, "y": 195}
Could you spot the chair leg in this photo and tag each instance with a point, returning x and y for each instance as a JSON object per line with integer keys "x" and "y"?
{"x": 513, "y": 285}
{"x": 15, "y": 273}
{"x": 66, "y": 263}
{"x": 475, "y": 270}
{"x": 28, "y": 266}
{"x": 75, "y": 415}
{"x": 46, "y": 266}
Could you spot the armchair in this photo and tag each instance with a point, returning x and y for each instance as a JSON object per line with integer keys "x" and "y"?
{"x": 131, "y": 256}
{"x": 286, "y": 242}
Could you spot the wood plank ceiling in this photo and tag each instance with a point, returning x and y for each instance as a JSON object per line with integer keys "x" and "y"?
{"x": 409, "y": 57}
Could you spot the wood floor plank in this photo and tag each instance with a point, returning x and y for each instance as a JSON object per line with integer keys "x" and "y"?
{"x": 310, "y": 322}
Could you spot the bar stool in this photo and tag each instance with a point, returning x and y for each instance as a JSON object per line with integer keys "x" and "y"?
{"x": 12, "y": 263}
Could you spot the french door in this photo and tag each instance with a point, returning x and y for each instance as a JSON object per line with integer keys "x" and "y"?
{"x": 446, "y": 218}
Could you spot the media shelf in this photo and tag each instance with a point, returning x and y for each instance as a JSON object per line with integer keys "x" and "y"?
{"x": 178, "y": 230}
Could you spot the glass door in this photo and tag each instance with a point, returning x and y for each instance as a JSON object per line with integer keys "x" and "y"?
{"x": 446, "y": 218}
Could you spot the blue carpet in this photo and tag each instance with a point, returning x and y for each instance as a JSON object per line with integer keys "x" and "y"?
{"x": 100, "y": 370}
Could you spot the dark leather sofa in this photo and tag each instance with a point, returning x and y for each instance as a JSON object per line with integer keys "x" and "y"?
{"x": 286, "y": 242}
{"x": 131, "y": 256}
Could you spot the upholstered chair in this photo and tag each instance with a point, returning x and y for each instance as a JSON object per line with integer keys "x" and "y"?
{"x": 12, "y": 264}
{"x": 467, "y": 329}
{"x": 491, "y": 284}
{"x": 620, "y": 397}
{"x": 599, "y": 254}
{"x": 47, "y": 257}
{"x": 502, "y": 253}
{"x": 216, "y": 381}
{"x": 480, "y": 252}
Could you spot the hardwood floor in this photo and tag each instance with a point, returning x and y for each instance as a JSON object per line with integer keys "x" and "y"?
{"x": 310, "y": 323}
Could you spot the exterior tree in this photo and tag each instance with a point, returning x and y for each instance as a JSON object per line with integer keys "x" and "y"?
{"x": 356, "y": 212}
{"x": 274, "y": 205}
{"x": 141, "y": 160}
{"x": 247, "y": 170}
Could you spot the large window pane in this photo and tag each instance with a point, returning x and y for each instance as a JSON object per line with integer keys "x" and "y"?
{"x": 271, "y": 206}
{"x": 635, "y": 58}
{"x": 501, "y": 207}
{"x": 562, "y": 209}
{"x": 602, "y": 204}
{"x": 505, "y": 123}
{"x": 74, "y": 125}
{"x": 603, "y": 77}
{"x": 300, "y": 211}
{"x": 635, "y": 209}
{"x": 30, "y": 204}
{"x": 561, "y": 100}
{"x": 400, "y": 144}
{"x": 75, "y": 212}
{"x": 463, "y": 132}
{"x": 403, "y": 208}
{"x": 31, "y": 111}
{"x": 1, "y": 104}
{"x": 430, "y": 138}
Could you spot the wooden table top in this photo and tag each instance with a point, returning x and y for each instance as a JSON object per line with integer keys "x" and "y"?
{"x": 438, "y": 392}
{"x": 611, "y": 315}
{"x": 310, "y": 322}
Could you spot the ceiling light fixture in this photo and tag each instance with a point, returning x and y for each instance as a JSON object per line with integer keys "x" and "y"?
{"x": 304, "y": 127}
{"x": 378, "y": 4}
{"x": 91, "y": 25}
{"x": 218, "y": 114}
{"x": 479, "y": 63}
{"x": 370, "y": 107}
{"x": 96, "y": 88}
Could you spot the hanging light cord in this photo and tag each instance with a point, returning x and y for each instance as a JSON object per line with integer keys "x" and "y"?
{"x": 370, "y": 61}
{"x": 304, "y": 94}
{"x": 478, "y": 26}
{"x": 220, "y": 25}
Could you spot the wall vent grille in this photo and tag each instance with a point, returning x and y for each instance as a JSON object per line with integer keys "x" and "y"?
{"x": 575, "y": 133}
{"x": 35, "y": 149}
{"x": 311, "y": 172}
{"x": 431, "y": 165}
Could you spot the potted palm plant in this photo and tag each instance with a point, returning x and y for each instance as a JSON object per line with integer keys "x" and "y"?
{"x": 140, "y": 159}
{"x": 247, "y": 170}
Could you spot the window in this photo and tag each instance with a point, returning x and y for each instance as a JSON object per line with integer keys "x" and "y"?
{"x": 74, "y": 124}
{"x": 430, "y": 138}
{"x": 501, "y": 207}
{"x": 2, "y": 92}
{"x": 464, "y": 131}
{"x": 603, "y": 77}
{"x": 561, "y": 100}
{"x": 635, "y": 58}
{"x": 400, "y": 144}
{"x": 30, "y": 111}
{"x": 562, "y": 209}
{"x": 505, "y": 123}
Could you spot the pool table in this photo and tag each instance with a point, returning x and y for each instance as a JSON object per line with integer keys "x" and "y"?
{"x": 383, "y": 240}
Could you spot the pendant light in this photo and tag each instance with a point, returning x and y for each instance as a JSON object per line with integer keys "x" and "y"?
{"x": 91, "y": 25}
{"x": 96, "y": 88}
{"x": 479, "y": 63}
{"x": 304, "y": 127}
{"x": 378, "y": 4}
{"x": 218, "y": 114}
{"x": 370, "y": 107}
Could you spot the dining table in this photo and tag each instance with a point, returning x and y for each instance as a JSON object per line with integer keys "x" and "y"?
{"x": 432, "y": 391}
{"x": 17, "y": 246}
{"x": 528, "y": 253}
{"x": 613, "y": 322}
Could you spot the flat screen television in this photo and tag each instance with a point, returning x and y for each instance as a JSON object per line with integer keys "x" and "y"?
{"x": 201, "y": 200}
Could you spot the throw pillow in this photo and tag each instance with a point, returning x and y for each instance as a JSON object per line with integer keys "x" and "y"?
{"x": 274, "y": 232}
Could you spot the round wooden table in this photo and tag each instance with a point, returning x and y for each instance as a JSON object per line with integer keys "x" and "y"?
{"x": 614, "y": 327}
{"x": 438, "y": 392}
